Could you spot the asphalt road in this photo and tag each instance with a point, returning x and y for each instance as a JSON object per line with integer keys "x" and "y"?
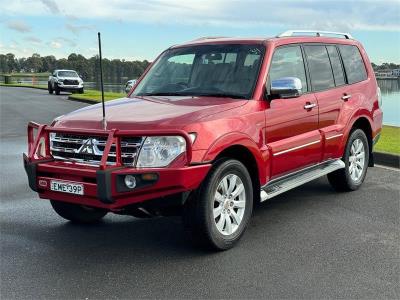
{"x": 308, "y": 243}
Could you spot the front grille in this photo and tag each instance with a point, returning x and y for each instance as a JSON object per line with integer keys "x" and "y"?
{"x": 89, "y": 149}
{"x": 70, "y": 82}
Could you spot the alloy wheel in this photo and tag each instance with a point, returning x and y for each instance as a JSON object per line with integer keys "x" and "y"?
{"x": 356, "y": 160}
{"x": 229, "y": 204}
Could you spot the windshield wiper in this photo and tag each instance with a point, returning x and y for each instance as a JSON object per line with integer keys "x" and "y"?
{"x": 190, "y": 94}
{"x": 162, "y": 94}
{"x": 221, "y": 95}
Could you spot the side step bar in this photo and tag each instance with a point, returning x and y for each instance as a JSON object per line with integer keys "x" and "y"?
{"x": 288, "y": 182}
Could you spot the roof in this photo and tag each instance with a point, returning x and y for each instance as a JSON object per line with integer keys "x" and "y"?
{"x": 282, "y": 39}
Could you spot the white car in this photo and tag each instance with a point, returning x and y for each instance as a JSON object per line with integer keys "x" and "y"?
{"x": 65, "y": 80}
{"x": 129, "y": 85}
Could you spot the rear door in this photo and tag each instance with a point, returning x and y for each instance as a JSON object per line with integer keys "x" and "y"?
{"x": 291, "y": 127}
{"x": 329, "y": 85}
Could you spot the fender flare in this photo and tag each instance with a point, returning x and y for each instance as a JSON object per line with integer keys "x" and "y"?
{"x": 358, "y": 114}
{"x": 261, "y": 155}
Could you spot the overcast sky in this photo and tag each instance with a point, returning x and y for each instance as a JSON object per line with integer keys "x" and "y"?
{"x": 141, "y": 29}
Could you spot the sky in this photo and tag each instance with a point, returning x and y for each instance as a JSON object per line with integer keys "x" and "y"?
{"x": 141, "y": 29}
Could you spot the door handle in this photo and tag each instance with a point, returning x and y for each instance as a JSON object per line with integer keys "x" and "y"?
{"x": 346, "y": 97}
{"x": 310, "y": 106}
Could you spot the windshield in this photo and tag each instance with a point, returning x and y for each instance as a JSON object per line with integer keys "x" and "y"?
{"x": 205, "y": 70}
{"x": 67, "y": 74}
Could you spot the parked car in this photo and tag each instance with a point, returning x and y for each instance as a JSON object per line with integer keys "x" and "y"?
{"x": 66, "y": 81}
{"x": 129, "y": 85}
{"x": 213, "y": 127}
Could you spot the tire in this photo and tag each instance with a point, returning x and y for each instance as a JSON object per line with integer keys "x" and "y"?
{"x": 57, "y": 89}
{"x": 49, "y": 88}
{"x": 78, "y": 213}
{"x": 352, "y": 176}
{"x": 232, "y": 214}
{"x": 80, "y": 91}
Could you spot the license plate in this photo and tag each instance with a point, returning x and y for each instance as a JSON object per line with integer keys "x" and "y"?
{"x": 66, "y": 187}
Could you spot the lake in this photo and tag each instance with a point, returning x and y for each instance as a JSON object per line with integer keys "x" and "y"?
{"x": 390, "y": 89}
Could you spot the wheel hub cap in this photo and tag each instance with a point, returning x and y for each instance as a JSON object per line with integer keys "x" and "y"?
{"x": 356, "y": 160}
{"x": 229, "y": 204}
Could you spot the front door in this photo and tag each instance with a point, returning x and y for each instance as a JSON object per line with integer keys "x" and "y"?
{"x": 292, "y": 124}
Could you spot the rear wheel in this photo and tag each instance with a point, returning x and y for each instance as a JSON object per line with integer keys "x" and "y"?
{"x": 78, "y": 213}
{"x": 356, "y": 159}
{"x": 218, "y": 214}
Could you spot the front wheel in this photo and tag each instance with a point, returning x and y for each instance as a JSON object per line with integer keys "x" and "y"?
{"x": 78, "y": 213}
{"x": 49, "y": 88}
{"x": 80, "y": 91}
{"x": 220, "y": 210}
{"x": 356, "y": 159}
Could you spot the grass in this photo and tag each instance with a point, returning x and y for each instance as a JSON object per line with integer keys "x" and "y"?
{"x": 95, "y": 96}
{"x": 88, "y": 95}
{"x": 45, "y": 74}
{"x": 389, "y": 141}
{"x": 38, "y": 86}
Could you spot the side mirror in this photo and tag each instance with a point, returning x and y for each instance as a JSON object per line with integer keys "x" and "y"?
{"x": 286, "y": 87}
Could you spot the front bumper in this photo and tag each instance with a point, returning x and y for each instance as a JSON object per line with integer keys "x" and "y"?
{"x": 103, "y": 188}
{"x": 63, "y": 87}
{"x": 103, "y": 184}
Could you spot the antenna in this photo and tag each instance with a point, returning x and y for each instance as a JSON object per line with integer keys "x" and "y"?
{"x": 103, "y": 122}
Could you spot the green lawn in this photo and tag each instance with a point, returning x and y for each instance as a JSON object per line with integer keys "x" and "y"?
{"x": 88, "y": 95}
{"x": 93, "y": 95}
{"x": 389, "y": 141}
{"x": 26, "y": 74}
{"x": 38, "y": 86}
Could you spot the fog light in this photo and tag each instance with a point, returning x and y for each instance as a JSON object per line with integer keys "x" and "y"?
{"x": 130, "y": 181}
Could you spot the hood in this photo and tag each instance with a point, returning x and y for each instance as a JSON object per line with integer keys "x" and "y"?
{"x": 151, "y": 113}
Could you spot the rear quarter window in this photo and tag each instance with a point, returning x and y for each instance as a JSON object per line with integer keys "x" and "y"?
{"x": 320, "y": 68}
{"x": 336, "y": 65}
{"x": 353, "y": 63}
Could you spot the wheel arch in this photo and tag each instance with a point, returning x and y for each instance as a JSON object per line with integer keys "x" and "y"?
{"x": 363, "y": 122}
{"x": 245, "y": 150}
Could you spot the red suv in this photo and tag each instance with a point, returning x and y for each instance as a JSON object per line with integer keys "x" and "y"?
{"x": 213, "y": 127}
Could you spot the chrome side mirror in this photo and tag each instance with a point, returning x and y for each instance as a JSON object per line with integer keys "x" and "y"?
{"x": 286, "y": 87}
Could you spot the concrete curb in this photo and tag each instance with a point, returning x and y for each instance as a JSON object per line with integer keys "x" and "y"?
{"x": 387, "y": 159}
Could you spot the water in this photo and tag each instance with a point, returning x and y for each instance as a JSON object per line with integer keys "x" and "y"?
{"x": 390, "y": 89}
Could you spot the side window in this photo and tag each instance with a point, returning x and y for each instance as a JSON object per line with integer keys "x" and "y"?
{"x": 336, "y": 65}
{"x": 353, "y": 63}
{"x": 320, "y": 67}
{"x": 288, "y": 62}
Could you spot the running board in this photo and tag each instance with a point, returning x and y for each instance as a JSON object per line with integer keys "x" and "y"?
{"x": 288, "y": 182}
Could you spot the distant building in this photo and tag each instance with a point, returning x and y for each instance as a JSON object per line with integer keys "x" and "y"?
{"x": 396, "y": 72}
{"x": 384, "y": 73}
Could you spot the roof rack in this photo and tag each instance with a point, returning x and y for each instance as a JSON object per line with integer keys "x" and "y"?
{"x": 208, "y": 38}
{"x": 316, "y": 32}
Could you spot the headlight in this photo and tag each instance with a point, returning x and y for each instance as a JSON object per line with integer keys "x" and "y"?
{"x": 160, "y": 151}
